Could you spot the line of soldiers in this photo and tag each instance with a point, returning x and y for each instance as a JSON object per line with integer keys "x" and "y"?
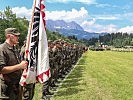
{"x": 62, "y": 57}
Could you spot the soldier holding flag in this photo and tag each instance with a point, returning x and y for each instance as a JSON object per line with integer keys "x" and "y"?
{"x": 10, "y": 65}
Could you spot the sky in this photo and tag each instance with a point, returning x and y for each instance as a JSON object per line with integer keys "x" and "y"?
{"x": 92, "y": 15}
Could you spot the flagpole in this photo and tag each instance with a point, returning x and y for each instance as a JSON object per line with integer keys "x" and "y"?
{"x": 27, "y": 43}
{"x": 29, "y": 31}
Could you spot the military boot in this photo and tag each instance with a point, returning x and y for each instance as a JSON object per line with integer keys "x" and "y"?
{"x": 47, "y": 92}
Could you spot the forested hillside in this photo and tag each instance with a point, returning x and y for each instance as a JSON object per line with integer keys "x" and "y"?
{"x": 117, "y": 39}
{"x": 113, "y": 39}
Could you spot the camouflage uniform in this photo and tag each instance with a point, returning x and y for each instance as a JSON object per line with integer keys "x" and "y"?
{"x": 46, "y": 85}
{"x": 52, "y": 67}
{"x": 62, "y": 55}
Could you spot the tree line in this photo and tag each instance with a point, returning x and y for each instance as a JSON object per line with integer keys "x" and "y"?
{"x": 118, "y": 39}
{"x": 8, "y": 19}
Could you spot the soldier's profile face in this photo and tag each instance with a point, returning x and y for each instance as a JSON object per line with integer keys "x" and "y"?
{"x": 14, "y": 39}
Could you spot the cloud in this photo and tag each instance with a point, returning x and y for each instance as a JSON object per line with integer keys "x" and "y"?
{"x": 92, "y": 26}
{"x": 125, "y": 16}
{"x": 127, "y": 7}
{"x": 102, "y": 5}
{"x": 22, "y": 12}
{"x": 107, "y": 17}
{"x": 128, "y": 16}
{"x": 66, "y": 1}
{"x": 73, "y": 15}
{"x": 88, "y": 23}
{"x": 128, "y": 29}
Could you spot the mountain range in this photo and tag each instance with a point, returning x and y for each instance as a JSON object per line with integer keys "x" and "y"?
{"x": 70, "y": 29}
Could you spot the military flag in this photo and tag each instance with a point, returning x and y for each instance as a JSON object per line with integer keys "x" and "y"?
{"x": 36, "y": 48}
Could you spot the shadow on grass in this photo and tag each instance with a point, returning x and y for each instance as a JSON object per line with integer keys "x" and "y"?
{"x": 69, "y": 91}
{"x": 82, "y": 61}
{"x": 71, "y": 84}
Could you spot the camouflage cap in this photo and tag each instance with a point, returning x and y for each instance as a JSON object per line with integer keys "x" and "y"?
{"x": 56, "y": 42}
{"x": 12, "y": 31}
{"x": 50, "y": 41}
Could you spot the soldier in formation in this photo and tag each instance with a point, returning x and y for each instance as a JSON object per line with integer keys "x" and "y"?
{"x": 62, "y": 57}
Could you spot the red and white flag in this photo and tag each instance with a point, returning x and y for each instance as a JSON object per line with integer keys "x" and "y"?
{"x": 36, "y": 51}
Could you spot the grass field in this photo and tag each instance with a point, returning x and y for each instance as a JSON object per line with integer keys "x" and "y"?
{"x": 99, "y": 75}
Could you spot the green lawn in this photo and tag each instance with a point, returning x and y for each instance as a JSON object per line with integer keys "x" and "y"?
{"x": 99, "y": 75}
